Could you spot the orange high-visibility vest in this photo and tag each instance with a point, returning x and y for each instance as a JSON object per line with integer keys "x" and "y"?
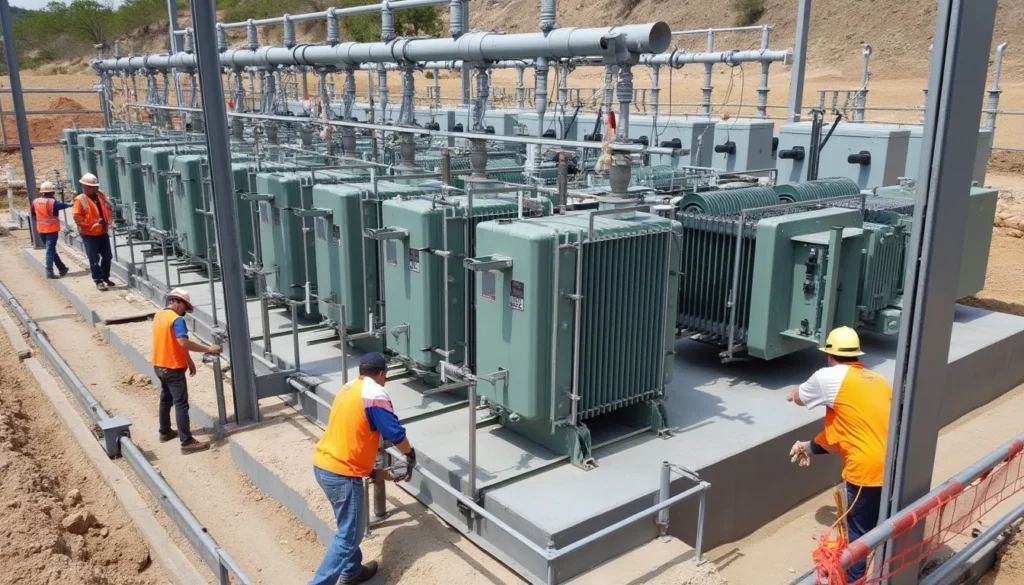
{"x": 87, "y": 215}
{"x": 858, "y": 425}
{"x": 167, "y": 352}
{"x": 46, "y": 221}
{"x": 348, "y": 446}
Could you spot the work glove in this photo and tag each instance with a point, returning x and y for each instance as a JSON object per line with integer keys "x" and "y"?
{"x": 410, "y": 462}
{"x": 801, "y": 453}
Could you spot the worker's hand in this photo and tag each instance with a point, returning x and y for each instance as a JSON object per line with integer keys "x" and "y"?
{"x": 792, "y": 394}
{"x": 215, "y": 349}
{"x": 191, "y": 368}
{"x": 410, "y": 462}
{"x": 97, "y": 225}
{"x": 801, "y": 453}
{"x": 385, "y": 474}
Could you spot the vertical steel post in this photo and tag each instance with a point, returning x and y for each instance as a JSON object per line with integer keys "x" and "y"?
{"x": 664, "y": 491}
{"x": 3, "y": 125}
{"x": 204, "y": 19}
{"x": 24, "y": 140}
{"x": 172, "y": 15}
{"x": 762, "y": 90}
{"x": 963, "y": 39}
{"x": 861, "y": 102}
{"x": 796, "y": 76}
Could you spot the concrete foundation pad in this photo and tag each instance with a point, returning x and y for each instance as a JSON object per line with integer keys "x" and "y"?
{"x": 732, "y": 423}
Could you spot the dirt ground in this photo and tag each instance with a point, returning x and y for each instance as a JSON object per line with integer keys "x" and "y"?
{"x": 1009, "y": 569}
{"x": 60, "y": 523}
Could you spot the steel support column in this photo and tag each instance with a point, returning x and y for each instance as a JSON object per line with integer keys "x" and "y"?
{"x": 218, "y": 145}
{"x": 959, "y": 63}
{"x": 172, "y": 15}
{"x": 24, "y": 141}
{"x": 796, "y": 75}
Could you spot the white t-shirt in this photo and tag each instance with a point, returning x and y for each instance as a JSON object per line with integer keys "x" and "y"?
{"x": 823, "y": 386}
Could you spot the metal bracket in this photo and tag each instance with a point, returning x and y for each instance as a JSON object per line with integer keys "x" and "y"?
{"x": 113, "y": 429}
{"x": 257, "y": 197}
{"x": 386, "y": 233}
{"x": 273, "y": 384}
{"x": 315, "y": 212}
{"x": 494, "y": 262}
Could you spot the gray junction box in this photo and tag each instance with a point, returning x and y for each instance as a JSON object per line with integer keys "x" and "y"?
{"x": 743, "y": 145}
{"x": 873, "y": 155}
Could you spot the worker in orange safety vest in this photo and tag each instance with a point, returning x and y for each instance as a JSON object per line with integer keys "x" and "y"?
{"x": 857, "y": 402}
{"x": 171, "y": 359}
{"x": 361, "y": 415}
{"x": 93, "y": 216}
{"x": 45, "y": 208}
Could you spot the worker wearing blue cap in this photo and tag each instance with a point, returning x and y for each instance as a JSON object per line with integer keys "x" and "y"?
{"x": 360, "y": 416}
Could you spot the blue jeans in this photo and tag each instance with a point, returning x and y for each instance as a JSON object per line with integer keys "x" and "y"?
{"x": 97, "y": 250}
{"x": 861, "y": 518}
{"x": 174, "y": 392}
{"x": 52, "y": 258}
{"x": 343, "y": 560}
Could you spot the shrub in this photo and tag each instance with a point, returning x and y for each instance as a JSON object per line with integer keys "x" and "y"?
{"x": 747, "y": 11}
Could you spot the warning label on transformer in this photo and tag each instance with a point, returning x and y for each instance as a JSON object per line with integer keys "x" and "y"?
{"x": 414, "y": 260}
{"x": 515, "y": 296}
{"x": 487, "y": 290}
{"x": 336, "y": 235}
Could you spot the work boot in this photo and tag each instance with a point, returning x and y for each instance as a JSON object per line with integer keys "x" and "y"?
{"x": 195, "y": 447}
{"x": 365, "y": 574}
{"x": 109, "y": 282}
{"x": 101, "y": 286}
{"x": 63, "y": 271}
{"x": 51, "y": 276}
{"x": 168, "y": 436}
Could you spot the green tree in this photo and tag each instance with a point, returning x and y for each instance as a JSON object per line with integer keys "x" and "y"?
{"x": 365, "y": 28}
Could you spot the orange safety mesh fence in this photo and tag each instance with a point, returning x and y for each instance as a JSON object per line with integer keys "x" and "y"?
{"x": 923, "y": 531}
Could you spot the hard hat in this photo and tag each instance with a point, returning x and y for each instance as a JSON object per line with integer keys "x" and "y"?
{"x": 47, "y": 187}
{"x": 843, "y": 342}
{"x": 89, "y": 179}
{"x": 181, "y": 295}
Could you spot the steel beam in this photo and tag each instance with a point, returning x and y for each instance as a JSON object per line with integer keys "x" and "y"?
{"x": 24, "y": 140}
{"x": 959, "y": 63}
{"x": 218, "y": 147}
{"x": 796, "y": 75}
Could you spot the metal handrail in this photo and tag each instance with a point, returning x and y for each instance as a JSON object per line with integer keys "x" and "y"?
{"x": 213, "y": 555}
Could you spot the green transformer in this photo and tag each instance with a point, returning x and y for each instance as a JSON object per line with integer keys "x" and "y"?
{"x": 577, "y": 314}
{"x": 288, "y": 253}
{"x": 105, "y": 154}
{"x": 347, "y": 267}
{"x": 157, "y": 163}
{"x": 131, "y": 183}
{"x": 72, "y": 158}
{"x": 190, "y": 199}
{"x": 424, "y": 240}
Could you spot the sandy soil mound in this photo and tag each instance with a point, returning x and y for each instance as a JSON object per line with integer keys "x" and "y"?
{"x": 49, "y": 533}
{"x": 1009, "y": 569}
{"x": 63, "y": 103}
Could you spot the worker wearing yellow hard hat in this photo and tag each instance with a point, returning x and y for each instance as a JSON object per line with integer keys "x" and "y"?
{"x": 857, "y": 403}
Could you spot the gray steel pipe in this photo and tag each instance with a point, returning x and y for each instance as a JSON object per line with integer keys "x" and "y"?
{"x": 336, "y": 12}
{"x": 473, "y": 46}
{"x": 680, "y": 58}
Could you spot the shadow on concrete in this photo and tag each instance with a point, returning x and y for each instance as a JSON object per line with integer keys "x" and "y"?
{"x": 645, "y": 578}
{"x": 826, "y": 516}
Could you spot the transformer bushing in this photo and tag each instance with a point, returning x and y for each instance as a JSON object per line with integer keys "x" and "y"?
{"x": 333, "y": 30}
{"x": 252, "y": 37}
{"x": 117, "y": 50}
{"x": 609, "y": 86}
{"x": 190, "y": 41}
{"x": 540, "y": 85}
{"x": 483, "y": 92}
{"x": 548, "y": 15}
{"x": 624, "y": 93}
{"x": 271, "y": 130}
{"x": 655, "y": 90}
{"x": 455, "y": 20}
{"x": 407, "y": 148}
{"x": 306, "y": 135}
{"x": 520, "y": 87}
{"x": 408, "y": 117}
{"x": 762, "y": 90}
{"x": 222, "y": 39}
{"x": 289, "y": 31}
{"x": 478, "y": 159}
{"x": 382, "y": 92}
{"x": 348, "y": 99}
{"x": 387, "y": 23}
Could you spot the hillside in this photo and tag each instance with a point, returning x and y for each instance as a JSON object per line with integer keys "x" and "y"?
{"x": 900, "y": 31}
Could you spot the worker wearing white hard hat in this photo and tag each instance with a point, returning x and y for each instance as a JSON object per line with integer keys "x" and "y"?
{"x": 857, "y": 403}
{"x": 45, "y": 208}
{"x": 171, "y": 359}
{"x": 93, "y": 216}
